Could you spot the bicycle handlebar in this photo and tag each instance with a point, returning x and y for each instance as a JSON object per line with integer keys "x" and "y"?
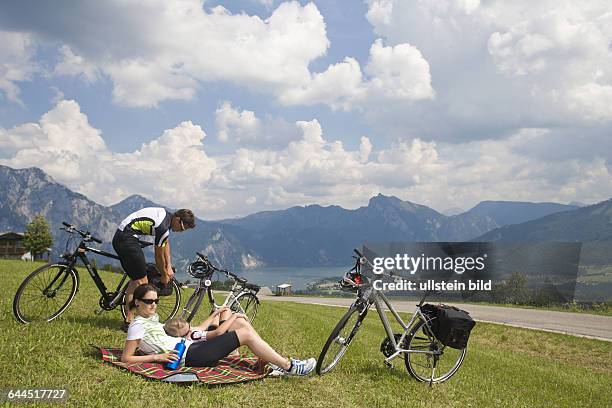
{"x": 223, "y": 271}
{"x": 85, "y": 234}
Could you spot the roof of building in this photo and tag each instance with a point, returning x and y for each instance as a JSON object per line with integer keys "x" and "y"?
{"x": 11, "y": 234}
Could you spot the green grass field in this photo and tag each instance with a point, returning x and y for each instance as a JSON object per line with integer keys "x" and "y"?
{"x": 504, "y": 367}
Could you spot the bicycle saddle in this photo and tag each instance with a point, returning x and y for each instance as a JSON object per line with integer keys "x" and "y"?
{"x": 252, "y": 286}
{"x": 241, "y": 280}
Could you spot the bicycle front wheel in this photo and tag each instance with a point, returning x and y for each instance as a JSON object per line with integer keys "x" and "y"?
{"x": 45, "y": 293}
{"x": 168, "y": 304}
{"x": 339, "y": 340}
{"x": 246, "y": 303}
{"x": 435, "y": 367}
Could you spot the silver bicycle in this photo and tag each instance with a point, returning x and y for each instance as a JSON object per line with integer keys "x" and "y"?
{"x": 242, "y": 297}
{"x": 425, "y": 357}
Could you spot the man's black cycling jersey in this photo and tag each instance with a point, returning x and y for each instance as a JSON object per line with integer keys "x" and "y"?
{"x": 149, "y": 221}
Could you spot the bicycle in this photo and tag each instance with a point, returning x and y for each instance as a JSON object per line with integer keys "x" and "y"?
{"x": 424, "y": 355}
{"x": 242, "y": 297}
{"x": 48, "y": 291}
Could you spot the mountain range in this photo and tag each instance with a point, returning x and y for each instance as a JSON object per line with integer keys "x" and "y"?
{"x": 310, "y": 235}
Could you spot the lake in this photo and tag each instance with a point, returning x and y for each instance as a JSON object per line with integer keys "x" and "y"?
{"x": 272, "y": 276}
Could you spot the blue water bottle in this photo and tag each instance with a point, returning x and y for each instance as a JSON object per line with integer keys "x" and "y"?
{"x": 180, "y": 348}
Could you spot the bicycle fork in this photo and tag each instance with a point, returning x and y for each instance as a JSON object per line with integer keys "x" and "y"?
{"x": 50, "y": 293}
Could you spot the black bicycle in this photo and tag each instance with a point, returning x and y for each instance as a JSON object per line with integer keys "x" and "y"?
{"x": 48, "y": 291}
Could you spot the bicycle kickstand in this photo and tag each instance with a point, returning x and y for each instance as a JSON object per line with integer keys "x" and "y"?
{"x": 433, "y": 373}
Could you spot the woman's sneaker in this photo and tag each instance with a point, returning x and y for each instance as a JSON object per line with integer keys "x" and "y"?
{"x": 302, "y": 367}
{"x": 298, "y": 367}
{"x": 276, "y": 371}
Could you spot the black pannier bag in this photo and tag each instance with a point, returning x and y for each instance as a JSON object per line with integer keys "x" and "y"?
{"x": 450, "y": 325}
{"x": 431, "y": 314}
{"x": 154, "y": 278}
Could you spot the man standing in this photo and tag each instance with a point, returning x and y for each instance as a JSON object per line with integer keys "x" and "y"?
{"x": 155, "y": 221}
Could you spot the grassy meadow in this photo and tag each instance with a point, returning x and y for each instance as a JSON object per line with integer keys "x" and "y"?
{"x": 504, "y": 367}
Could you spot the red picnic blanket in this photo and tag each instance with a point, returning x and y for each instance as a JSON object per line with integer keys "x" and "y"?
{"x": 229, "y": 370}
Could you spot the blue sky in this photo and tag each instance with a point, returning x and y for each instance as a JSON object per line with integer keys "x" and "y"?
{"x": 233, "y": 107}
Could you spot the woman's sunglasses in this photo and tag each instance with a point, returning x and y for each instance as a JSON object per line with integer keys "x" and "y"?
{"x": 149, "y": 301}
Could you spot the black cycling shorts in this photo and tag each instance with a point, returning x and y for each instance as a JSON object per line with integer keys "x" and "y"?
{"x": 208, "y": 353}
{"x": 130, "y": 254}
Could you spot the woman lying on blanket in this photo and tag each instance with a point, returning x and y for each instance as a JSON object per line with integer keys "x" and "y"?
{"x": 147, "y": 334}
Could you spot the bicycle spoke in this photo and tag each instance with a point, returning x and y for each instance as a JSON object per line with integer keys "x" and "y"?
{"x": 47, "y": 279}
{"x": 38, "y": 284}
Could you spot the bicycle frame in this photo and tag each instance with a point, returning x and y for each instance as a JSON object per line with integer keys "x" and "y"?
{"x": 232, "y": 296}
{"x": 377, "y": 296}
{"x": 111, "y": 299}
{"x": 235, "y": 292}
{"x": 93, "y": 272}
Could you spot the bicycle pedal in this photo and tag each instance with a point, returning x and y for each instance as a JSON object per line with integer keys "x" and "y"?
{"x": 98, "y": 311}
{"x": 388, "y": 364}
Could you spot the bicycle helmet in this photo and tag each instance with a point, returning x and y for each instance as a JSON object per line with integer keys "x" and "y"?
{"x": 199, "y": 269}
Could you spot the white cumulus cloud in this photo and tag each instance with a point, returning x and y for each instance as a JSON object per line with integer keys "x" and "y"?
{"x": 16, "y": 63}
{"x": 398, "y": 73}
{"x": 499, "y": 66}
{"x": 174, "y": 168}
{"x": 239, "y": 125}
{"x": 71, "y": 64}
{"x": 393, "y": 73}
{"x": 161, "y": 50}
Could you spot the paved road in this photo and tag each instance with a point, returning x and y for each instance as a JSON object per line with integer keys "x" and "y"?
{"x": 576, "y": 324}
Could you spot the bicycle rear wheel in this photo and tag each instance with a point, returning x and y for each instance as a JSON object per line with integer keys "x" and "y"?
{"x": 339, "y": 340}
{"x": 45, "y": 293}
{"x": 421, "y": 365}
{"x": 246, "y": 303}
{"x": 168, "y": 304}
